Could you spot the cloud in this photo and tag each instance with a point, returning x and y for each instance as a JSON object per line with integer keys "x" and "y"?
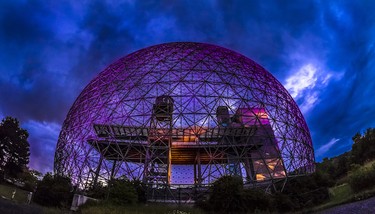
{"x": 302, "y": 80}
{"x": 307, "y": 83}
{"x": 323, "y": 52}
{"x": 326, "y": 147}
{"x": 309, "y": 102}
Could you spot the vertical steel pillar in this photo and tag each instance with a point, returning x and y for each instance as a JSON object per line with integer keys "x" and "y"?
{"x": 98, "y": 170}
{"x": 199, "y": 168}
{"x": 113, "y": 169}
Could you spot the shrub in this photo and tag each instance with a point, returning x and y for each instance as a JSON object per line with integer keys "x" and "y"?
{"x": 226, "y": 195}
{"x": 54, "y": 190}
{"x": 254, "y": 199}
{"x": 362, "y": 178}
{"x": 229, "y": 196}
{"x": 98, "y": 191}
{"x": 122, "y": 191}
{"x": 307, "y": 191}
{"x": 283, "y": 203}
{"x": 29, "y": 179}
{"x": 140, "y": 188}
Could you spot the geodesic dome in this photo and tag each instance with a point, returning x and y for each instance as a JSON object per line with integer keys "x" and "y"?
{"x": 184, "y": 113}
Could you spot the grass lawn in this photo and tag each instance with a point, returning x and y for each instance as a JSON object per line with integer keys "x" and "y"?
{"x": 340, "y": 194}
{"x": 139, "y": 209}
{"x": 18, "y": 204}
{"x": 6, "y": 191}
{"x": 12, "y": 207}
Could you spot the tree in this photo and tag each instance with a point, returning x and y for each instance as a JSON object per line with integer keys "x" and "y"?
{"x": 14, "y": 147}
{"x": 54, "y": 190}
{"x": 30, "y": 178}
{"x": 363, "y": 149}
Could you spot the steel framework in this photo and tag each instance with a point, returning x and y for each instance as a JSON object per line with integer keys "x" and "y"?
{"x": 184, "y": 114}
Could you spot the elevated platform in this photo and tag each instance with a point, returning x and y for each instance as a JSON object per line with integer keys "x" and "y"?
{"x": 130, "y": 143}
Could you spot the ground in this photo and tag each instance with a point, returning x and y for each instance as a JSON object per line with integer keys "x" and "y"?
{"x": 7, "y": 206}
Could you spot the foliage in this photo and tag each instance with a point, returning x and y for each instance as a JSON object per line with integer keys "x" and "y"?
{"x": 362, "y": 178}
{"x": 99, "y": 191}
{"x": 282, "y": 202}
{"x": 343, "y": 166}
{"x": 335, "y": 168}
{"x": 14, "y": 147}
{"x": 122, "y": 191}
{"x": 363, "y": 148}
{"x": 229, "y": 196}
{"x": 30, "y": 179}
{"x": 307, "y": 191}
{"x": 54, "y": 190}
{"x": 226, "y": 195}
{"x": 254, "y": 199}
{"x": 140, "y": 188}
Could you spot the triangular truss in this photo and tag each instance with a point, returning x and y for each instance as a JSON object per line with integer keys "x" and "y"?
{"x": 114, "y": 128}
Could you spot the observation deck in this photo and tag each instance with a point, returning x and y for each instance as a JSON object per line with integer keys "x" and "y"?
{"x": 126, "y": 143}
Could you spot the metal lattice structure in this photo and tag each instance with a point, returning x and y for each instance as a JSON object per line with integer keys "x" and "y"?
{"x": 184, "y": 114}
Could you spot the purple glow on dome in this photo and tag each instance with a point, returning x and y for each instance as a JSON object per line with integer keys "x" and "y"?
{"x": 228, "y": 115}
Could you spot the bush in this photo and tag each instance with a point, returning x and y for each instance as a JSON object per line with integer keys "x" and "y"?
{"x": 229, "y": 196}
{"x": 307, "y": 191}
{"x": 29, "y": 178}
{"x": 226, "y": 195}
{"x": 254, "y": 199}
{"x": 98, "y": 191}
{"x": 122, "y": 191}
{"x": 140, "y": 188}
{"x": 54, "y": 190}
{"x": 283, "y": 203}
{"x": 362, "y": 178}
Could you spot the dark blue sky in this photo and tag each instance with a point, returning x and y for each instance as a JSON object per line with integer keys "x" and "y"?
{"x": 321, "y": 51}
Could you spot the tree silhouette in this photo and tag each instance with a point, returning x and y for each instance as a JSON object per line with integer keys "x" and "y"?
{"x": 14, "y": 147}
{"x": 54, "y": 190}
{"x": 363, "y": 149}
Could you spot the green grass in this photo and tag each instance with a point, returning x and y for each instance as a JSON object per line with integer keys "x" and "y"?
{"x": 7, "y": 191}
{"x": 18, "y": 204}
{"x": 338, "y": 195}
{"x": 138, "y": 209}
{"x": 20, "y": 198}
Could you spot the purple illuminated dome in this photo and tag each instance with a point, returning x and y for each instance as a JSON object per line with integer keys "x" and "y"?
{"x": 184, "y": 113}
